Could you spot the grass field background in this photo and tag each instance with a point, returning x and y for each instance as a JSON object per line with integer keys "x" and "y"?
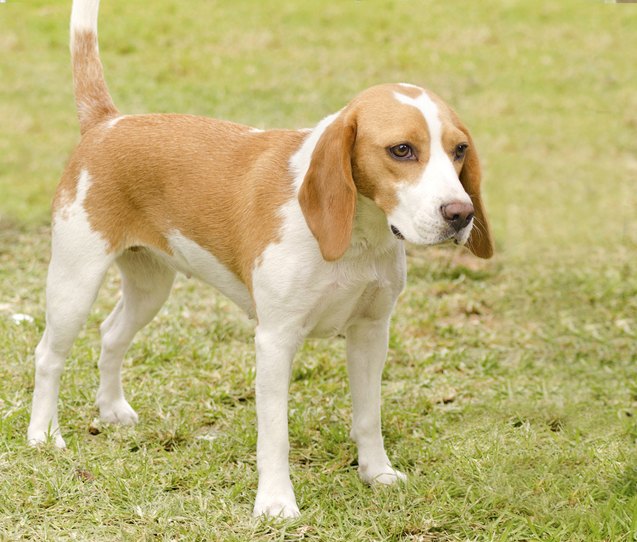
{"x": 510, "y": 393}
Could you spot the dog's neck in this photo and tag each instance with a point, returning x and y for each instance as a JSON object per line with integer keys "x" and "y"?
{"x": 371, "y": 231}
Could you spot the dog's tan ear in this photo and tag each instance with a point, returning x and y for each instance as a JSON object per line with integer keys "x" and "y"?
{"x": 328, "y": 194}
{"x": 480, "y": 241}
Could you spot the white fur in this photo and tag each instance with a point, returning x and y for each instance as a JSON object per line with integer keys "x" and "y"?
{"x": 417, "y": 214}
{"x": 84, "y": 17}
{"x": 300, "y": 160}
{"x": 111, "y": 123}
{"x": 299, "y": 295}
{"x": 410, "y": 85}
{"x": 191, "y": 259}
{"x": 72, "y": 284}
{"x": 146, "y": 283}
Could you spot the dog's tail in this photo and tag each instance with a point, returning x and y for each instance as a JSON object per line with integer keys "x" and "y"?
{"x": 92, "y": 98}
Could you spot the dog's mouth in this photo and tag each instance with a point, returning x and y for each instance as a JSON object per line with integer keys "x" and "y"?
{"x": 457, "y": 237}
{"x": 397, "y": 233}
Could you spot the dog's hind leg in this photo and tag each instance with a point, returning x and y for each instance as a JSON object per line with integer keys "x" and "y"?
{"x": 79, "y": 260}
{"x": 146, "y": 283}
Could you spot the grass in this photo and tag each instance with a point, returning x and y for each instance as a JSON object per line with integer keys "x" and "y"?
{"x": 510, "y": 393}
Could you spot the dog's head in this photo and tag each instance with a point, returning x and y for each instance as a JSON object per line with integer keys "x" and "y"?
{"x": 406, "y": 150}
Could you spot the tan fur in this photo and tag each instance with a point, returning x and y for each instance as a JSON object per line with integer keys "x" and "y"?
{"x": 328, "y": 194}
{"x": 480, "y": 241}
{"x": 385, "y": 122}
{"x": 216, "y": 182}
{"x": 94, "y": 102}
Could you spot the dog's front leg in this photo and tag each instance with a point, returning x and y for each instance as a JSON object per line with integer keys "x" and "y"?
{"x": 366, "y": 352}
{"x": 275, "y": 351}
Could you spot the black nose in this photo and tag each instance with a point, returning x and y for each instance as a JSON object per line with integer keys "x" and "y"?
{"x": 458, "y": 214}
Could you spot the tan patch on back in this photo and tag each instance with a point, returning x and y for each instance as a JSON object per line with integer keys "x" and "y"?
{"x": 217, "y": 183}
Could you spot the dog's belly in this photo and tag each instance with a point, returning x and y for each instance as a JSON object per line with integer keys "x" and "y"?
{"x": 191, "y": 259}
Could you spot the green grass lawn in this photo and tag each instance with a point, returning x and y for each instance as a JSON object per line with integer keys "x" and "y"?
{"x": 510, "y": 392}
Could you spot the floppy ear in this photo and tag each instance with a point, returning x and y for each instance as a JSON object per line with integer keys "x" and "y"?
{"x": 480, "y": 241}
{"x": 328, "y": 194}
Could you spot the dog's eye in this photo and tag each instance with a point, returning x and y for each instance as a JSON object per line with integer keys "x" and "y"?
{"x": 403, "y": 151}
{"x": 460, "y": 151}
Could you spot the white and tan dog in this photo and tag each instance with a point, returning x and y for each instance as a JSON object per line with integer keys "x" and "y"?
{"x": 302, "y": 229}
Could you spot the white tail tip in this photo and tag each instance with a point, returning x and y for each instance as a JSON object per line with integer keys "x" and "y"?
{"x": 84, "y": 15}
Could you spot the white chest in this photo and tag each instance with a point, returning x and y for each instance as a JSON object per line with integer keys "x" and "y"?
{"x": 336, "y": 310}
{"x": 321, "y": 299}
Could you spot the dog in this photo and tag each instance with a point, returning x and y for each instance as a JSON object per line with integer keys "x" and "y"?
{"x": 303, "y": 229}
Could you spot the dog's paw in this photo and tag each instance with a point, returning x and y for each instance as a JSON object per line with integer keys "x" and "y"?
{"x": 384, "y": 474}
{"x": 276, "y": 509}
{"x": 36, "y": 438}
{"x": 276, "y": 505}
{"x": 119, "y": 412}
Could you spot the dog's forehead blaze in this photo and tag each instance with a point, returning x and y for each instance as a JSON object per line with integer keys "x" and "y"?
{"x": 452, "y": 134}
